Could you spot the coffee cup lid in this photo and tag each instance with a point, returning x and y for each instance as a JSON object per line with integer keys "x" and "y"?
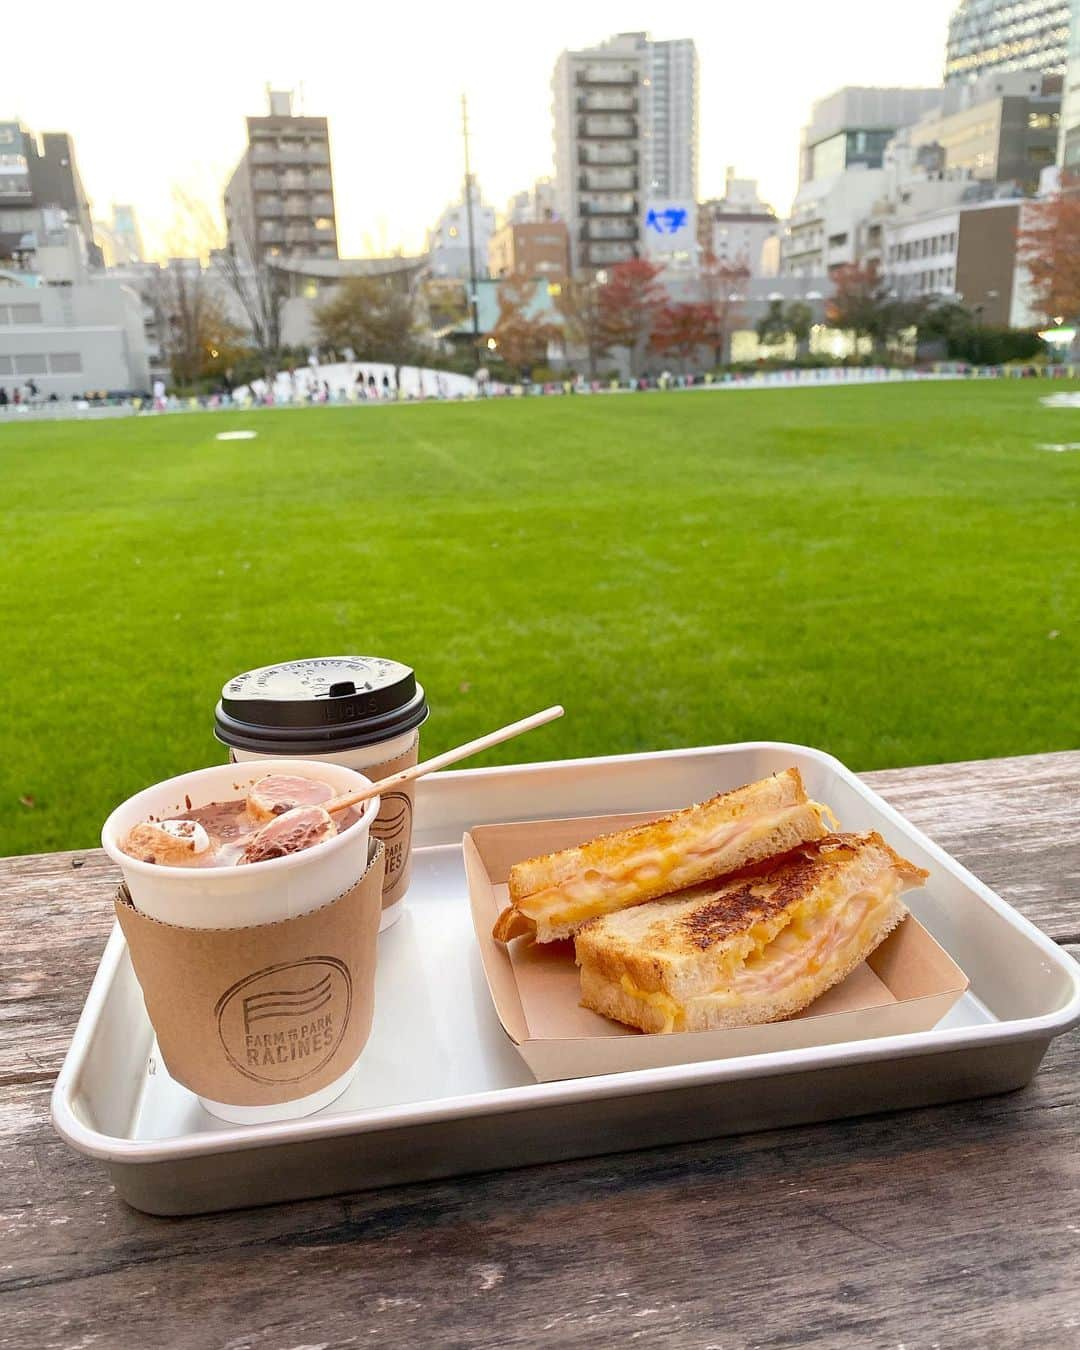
{"x": 320, "y": 705}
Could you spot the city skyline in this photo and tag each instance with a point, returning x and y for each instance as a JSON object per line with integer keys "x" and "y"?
{"x": 394, "y": 123}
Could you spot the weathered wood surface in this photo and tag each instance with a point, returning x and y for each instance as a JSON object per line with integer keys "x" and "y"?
{"x": 958, "y": 1226}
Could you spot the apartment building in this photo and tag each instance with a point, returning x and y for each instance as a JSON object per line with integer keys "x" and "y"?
{"x": 626, "y": 155}
{"x": 40, "y": 174}
{"x": 279, "y": 202}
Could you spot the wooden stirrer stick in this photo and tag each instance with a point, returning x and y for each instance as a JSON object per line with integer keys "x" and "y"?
{"x": 442, "y": 761}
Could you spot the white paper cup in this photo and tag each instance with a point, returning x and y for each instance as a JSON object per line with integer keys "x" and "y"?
{"x": 254, "y": 893}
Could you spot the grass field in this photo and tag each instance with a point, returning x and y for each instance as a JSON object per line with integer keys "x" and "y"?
{"x": 892, "y": 574}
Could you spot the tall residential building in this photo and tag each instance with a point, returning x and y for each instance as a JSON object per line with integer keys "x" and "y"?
{"x": 1069, "y": 143}
{"x": 670, "y": 105}
{"x": 41, "y": 175}
{"x": 625, "y": 143}
{"x": 986, "y": 35}
{"x": 448, "y": 241}
{"x": 279, "y": 202}
{"x": 851, "y": 128}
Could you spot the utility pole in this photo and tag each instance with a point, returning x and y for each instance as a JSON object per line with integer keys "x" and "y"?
{"x": 474, "y": 299}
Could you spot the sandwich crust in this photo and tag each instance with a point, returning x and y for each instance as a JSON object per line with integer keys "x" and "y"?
{"x": 554, "y": 894}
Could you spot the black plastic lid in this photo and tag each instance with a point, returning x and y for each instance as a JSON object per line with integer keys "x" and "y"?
{"x": 319, "y": 706}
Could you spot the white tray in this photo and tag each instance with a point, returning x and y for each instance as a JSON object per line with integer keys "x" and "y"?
{"x": 442, "y": 1091}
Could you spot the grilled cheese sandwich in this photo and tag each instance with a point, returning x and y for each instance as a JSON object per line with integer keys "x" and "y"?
{"x": 552, "y": 896}
{"x": 751, "y": 949}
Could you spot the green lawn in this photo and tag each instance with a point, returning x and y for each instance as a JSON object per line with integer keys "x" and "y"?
{"x": 892, "y": 574}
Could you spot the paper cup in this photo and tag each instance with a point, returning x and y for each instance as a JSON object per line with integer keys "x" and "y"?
{"x": 361, "y": 712}
{"x": 248, "y": 895}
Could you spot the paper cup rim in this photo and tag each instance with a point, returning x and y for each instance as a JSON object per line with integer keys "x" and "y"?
{"x": 125, "y": 861}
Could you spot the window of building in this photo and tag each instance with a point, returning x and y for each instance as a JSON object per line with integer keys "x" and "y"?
{"x": 30, "y": 365}
{"x": 1043, "y": 121}
{"x": 65, "y": 363}
{"x": 5, "y": 365}
{"x": 323, "y": 223}
{"x": 25, "y": 314}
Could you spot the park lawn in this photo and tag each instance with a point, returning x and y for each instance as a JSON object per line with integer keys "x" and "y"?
{"x": 892, "y": 574}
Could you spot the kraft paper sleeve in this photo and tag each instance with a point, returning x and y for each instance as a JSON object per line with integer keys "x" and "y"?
{"x": 393, "y": 824}
{"x": 265, "y": 1014}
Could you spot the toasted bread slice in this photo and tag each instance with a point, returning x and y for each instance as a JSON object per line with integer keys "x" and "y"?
{"x": 751, "y": 949}
{"x": 553, "y": 895}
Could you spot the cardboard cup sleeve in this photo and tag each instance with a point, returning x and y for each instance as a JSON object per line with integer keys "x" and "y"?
{"x": 393, "y": 824}
{"x": 266, "y": 1014}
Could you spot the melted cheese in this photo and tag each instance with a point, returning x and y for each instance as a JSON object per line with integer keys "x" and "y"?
{"x": 663, "y": 1002}
{"x": 595, "y": 892}
{"x": 804, "y": 949}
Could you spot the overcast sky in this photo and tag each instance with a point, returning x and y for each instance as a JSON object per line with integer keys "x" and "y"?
{"x": 154, "y": 102}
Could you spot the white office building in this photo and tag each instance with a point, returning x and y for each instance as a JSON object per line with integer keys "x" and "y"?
{"x": 739, "y": 229}
{"x": 448, "y": 241}
{"x": 66, "y": 327}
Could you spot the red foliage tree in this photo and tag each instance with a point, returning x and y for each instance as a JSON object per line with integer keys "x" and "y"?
{"x": 682, "y": 329}
{"x": 863, "y": 303}
{"x": 629, "y": 303}
{"x": 521, "y": 339}
{"x": 1048, "y": 244}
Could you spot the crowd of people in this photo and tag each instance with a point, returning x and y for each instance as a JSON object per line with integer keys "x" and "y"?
{"x": 310, "y": 387}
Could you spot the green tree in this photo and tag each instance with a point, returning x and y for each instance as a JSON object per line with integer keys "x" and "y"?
{"x": 376, "y": 317}
{"x": 799, "y": 318}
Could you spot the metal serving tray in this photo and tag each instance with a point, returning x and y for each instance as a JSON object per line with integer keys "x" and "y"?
{"x": 442, "y": 1091}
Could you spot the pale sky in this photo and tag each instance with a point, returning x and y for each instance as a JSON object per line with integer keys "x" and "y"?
{"x": 157, "y": 101}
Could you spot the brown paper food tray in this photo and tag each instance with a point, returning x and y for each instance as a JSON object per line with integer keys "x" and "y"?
{"x": 907, "y": 985}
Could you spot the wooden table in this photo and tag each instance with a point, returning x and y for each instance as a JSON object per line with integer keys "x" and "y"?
{"x": 958, "y": 1226}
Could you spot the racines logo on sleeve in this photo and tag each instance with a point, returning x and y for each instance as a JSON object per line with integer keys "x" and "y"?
{"x": 283, "y": 1024}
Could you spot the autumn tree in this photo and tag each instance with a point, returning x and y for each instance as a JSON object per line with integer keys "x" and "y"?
{"x": 260, "y": 290}
{"x": 723, "y": 287}
{"x": 629, "y": 302}
{"x": 864, "y": 304}
{"x": 197, "y": 336}
{"x": 1048, "y": 244}
{"x": 521, "y": 337}
{"x": 582, "y": 312}
{"x": 681, "y": 330}
{"x": 376, "y": 317}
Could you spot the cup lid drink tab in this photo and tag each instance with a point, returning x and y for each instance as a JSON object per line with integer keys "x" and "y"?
{"x": 319, "y": 706}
